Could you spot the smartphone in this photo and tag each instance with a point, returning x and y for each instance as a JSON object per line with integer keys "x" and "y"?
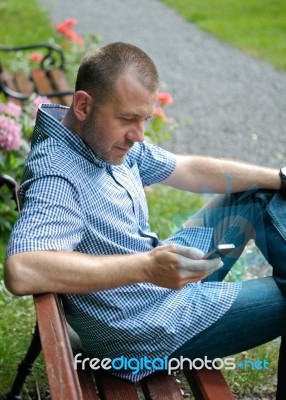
{"x": 220, "y": 251}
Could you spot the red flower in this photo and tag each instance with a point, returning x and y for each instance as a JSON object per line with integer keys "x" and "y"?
{"x": 70, "y": 22}
{"x": 164, "y": 98}
{"x": 158, "y": 112}
{"x": 62, "y": 28}
{"x": 74, "y": 37}
{"x": 65, "y": 29}
{"x": 67, "y": 24}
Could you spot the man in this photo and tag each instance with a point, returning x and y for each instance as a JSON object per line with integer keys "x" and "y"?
{"x": 83, "y": 230}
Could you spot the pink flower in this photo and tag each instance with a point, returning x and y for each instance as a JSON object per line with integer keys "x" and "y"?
{"x": 39, "y": 100}
{"x": 36, "y": 57}
{"x": 158, "y": 112}
{"x": 164, "y": 98}
{"x": 10, "y": 133}
{"x": 11, "y": 109}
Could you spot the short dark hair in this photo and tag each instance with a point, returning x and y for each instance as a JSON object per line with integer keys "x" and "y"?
{"x": 99, "y": 70}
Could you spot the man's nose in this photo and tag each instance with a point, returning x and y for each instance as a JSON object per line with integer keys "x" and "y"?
{"x": 136, "y": 133}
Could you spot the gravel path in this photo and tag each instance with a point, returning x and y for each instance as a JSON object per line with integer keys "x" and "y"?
{"x": 236, "y": 104}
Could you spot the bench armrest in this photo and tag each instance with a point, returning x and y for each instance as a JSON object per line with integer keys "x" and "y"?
{"x": 54, "y": 55}
{"x": 62, "y": 377}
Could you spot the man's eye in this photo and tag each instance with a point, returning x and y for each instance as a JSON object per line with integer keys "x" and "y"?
{"x": 127, "y": 119}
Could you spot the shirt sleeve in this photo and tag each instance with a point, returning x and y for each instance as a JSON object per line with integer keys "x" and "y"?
{"x": 50, "y": 219}
{"x": 154, "y": 163}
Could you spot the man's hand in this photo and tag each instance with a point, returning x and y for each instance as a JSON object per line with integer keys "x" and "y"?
{"x": 174, "y": 266}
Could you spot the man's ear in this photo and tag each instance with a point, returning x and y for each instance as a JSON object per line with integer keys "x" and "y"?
{"x": 82, "y": 105}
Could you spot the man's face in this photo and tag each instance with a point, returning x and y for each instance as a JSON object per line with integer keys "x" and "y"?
{"x": 113, "y": 129}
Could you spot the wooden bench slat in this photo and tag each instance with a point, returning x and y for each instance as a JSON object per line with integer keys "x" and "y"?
{"x": 41, "y": 81}
{"x": 110, "y": 387}
{"x": 8, "y": 79}
{"x": 87, "y": 384}
{"x": 208, "y": 384}
{"x": 42, "y": 84}
{"x": 62, "y": 377}
{"x": 61, "y": 84}
{"x": 59, "y": 79}
{"x": 23, "y": 83}
{"x": 157, "y": 387}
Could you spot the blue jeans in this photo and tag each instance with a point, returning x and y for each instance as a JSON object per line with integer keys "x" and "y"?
{"x": 258, "y": 314}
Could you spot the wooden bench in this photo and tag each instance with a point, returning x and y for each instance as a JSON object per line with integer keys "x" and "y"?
{"x": 51, "y": 335}
{"x": 47, "y": 79}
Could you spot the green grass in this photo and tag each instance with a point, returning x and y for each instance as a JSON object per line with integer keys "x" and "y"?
{"x": 23, "y": 23}
{"x": 252, "y": 381}
{"x": 169, "y": 208}
{"x": 16, "y": 328}
{"x": 256, "y": 27}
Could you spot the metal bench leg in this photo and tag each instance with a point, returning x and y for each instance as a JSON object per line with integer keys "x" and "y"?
{"x": 25, "y": 367}
{"x": 281, "y": 384}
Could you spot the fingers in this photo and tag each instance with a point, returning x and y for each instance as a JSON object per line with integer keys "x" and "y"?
{"x": 190, "y": 260}
{"x": 189, "y": 252}
{"x": 199, "y": 266}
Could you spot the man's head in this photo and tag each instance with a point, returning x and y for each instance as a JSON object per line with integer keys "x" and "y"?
{"x": 116, "y": 92}
{"x": 99, "y": 71}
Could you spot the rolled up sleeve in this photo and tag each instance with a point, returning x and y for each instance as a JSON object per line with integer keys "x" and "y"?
{"x": 51, "y": 217}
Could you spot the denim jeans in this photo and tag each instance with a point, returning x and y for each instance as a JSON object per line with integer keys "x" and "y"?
{"x": 258, "y": 314}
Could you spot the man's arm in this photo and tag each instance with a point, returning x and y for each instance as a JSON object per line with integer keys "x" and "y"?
{"x": 168, "y": 266}
{"x": 200, "y": 174}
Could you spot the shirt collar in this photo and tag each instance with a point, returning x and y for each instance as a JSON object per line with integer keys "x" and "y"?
{"x": 48, "y": 125}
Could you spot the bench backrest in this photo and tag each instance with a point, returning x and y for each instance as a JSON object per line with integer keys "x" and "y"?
{"x": 47, "y": 79}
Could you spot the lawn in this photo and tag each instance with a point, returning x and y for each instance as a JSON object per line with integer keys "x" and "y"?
{"x": 23, "y": 23}
{"x": 256, "y": 27}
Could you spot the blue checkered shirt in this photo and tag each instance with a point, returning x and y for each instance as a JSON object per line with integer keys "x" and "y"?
{"x": 74, "y": 201}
